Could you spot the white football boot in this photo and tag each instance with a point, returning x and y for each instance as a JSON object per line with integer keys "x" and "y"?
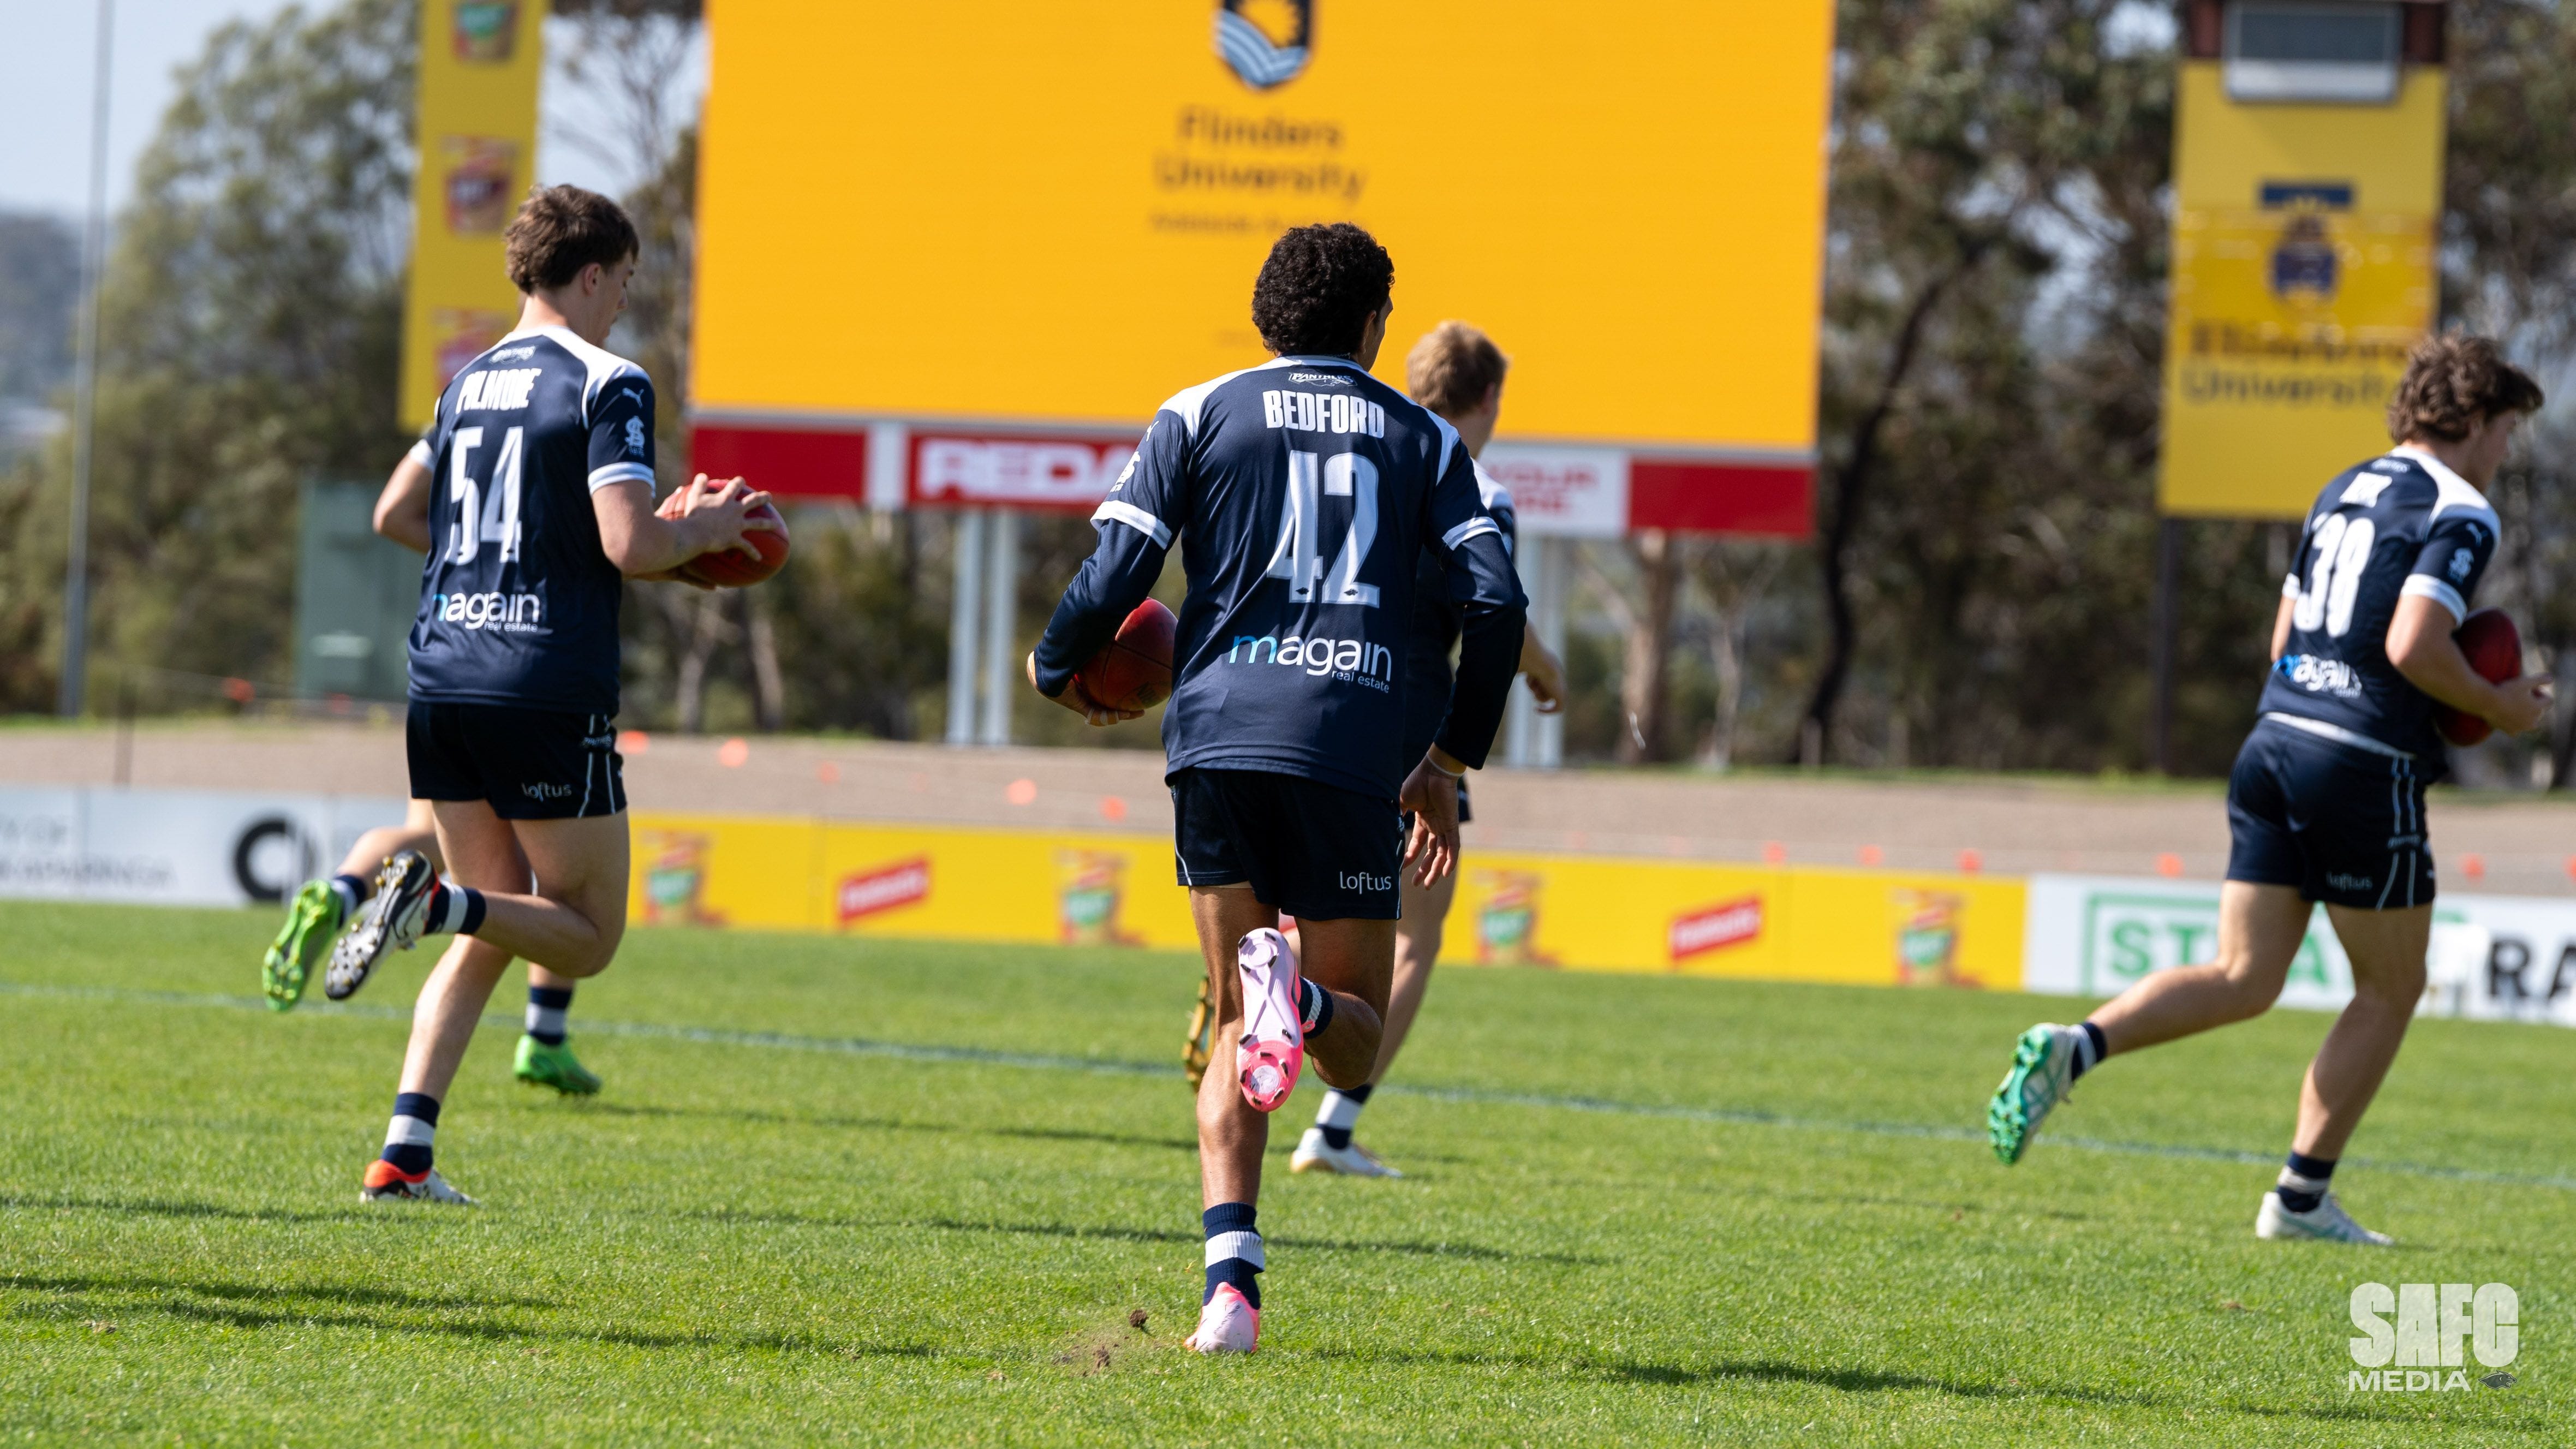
{"x": 388, "y": 1183}
{"x": 1273, "y": 1049}
{"x": 1314, "y": 1154}
{"x": 2327, "y": 1222}
{"x": 394, "y": 918}
{"x": 1228, "y": 1323}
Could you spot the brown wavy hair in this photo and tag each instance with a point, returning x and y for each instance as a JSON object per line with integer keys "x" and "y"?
{"x": 560, "y": 230}
{"x": 2452, "y": 384}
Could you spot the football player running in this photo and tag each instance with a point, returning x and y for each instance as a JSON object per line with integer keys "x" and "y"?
{"x": 532, "y": 494}
{"x": 2327, "y": 799}
{"x": 319, "y": 910}
{"x": 1456, "y": 371}
{"x": 1302, "y": 493}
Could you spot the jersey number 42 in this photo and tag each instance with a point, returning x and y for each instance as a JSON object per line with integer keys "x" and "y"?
{"x": 1299, "y": 557}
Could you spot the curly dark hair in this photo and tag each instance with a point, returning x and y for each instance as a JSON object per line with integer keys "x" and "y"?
{"x": 1319, "y": 288}
{"x": 2452, "y": 384}
{"x": 560, "y": 230}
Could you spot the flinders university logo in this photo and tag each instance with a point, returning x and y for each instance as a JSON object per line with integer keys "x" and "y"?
{"x": 1265, "y": 42}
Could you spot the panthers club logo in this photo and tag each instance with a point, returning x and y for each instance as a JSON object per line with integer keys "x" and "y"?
{"x": 1265, "y": 42}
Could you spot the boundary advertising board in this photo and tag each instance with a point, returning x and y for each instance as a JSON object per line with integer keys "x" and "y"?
{"x": 2493, "y": 957}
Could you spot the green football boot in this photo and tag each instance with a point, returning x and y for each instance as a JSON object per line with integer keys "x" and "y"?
{"x": 541, "y": 1065}
{"x": 312, "y": 919}
{"x": 2043, "y": 1072}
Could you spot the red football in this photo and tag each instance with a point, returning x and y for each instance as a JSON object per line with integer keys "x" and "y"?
{"x": 1134, "y": 670}
{"x": 728, "y": 569}
{"x": 2494, "y": 648}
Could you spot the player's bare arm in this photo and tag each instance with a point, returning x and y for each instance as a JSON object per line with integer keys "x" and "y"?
{"x": 644, "y": 544}
{"x": 402, "y": 509}
{"x": 2421, "y": 646}
{"x": 1431, "y": 793}
{"x": 1544, "y": 671}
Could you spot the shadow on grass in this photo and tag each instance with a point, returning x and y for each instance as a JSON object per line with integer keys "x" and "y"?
{"x": 380, "y": 1310}
{"x": 1875, "y": 1381}
{"x": 332, "y": 1293}
{"x": 890, "y": 1124}
{"x": 158, "y": 1207}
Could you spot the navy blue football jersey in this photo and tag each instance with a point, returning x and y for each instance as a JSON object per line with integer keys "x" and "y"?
{"x": 2397, "y": 525}
{"x": 1302, "y": 493}
{"x": 518, "y": 603}
{"x": 1437, "y": 623}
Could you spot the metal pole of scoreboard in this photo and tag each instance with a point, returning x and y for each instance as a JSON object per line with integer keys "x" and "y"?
{"x": 1001, "y": 624}
{"x": 75, "y": 681}
{"x": 965, "y": 603}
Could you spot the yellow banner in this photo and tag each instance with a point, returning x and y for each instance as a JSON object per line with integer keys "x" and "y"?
{"x": 479, "y": 63}
{"x": 2303, "y": 271}
{"x": 1585, "y": 913}
{"x": 1039, "y": 210}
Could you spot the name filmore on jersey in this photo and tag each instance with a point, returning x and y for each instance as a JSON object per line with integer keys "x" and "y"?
{"x": 497, "y": 390}
{"x": 1323, "y": 412}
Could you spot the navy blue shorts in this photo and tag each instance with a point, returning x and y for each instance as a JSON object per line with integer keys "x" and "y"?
{"x": 528, "y": 764}
{"x": 2338, "y": 822}
{"x": 1314, "y": 851}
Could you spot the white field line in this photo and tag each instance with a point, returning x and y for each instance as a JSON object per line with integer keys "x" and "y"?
{"x": 1111, "y": 1066}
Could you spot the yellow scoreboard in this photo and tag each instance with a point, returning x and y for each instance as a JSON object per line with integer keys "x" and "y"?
{"x": 934, "y": 225}
{"x": 2308, "y": 191}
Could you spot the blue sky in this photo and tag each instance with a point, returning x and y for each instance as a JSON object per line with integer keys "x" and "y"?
{"x": 45, "y": 101}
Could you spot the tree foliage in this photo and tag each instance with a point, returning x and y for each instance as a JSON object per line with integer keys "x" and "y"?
{"x": 250, "y": 318}
{"x": 1993, "y": 324}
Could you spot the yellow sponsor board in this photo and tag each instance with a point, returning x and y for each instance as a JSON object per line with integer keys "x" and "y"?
{"x": 1586, "y": 913}
{"x": 479, "y": 65}
{"x": 1037, "y": 210}
{"x": 2303, "y": 271}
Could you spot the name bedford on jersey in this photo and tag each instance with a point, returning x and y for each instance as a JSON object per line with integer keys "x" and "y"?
{"x": 1323, "y": 412}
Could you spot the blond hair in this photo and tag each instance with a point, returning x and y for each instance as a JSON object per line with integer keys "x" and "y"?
{"x": 1453, "y": 368}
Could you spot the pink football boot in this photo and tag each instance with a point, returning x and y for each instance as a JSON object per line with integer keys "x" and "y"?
{"x": 1227, "y": 1324}
{"x": 1273, "y": 1051}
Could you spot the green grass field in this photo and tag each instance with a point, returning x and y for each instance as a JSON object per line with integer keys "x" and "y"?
{"x": 911, "y": 1194}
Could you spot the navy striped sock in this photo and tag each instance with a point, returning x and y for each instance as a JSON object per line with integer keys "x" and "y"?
{"x": 2090, "y": 1055}
{"x": 1340, "y": 1114}
{"x": 2304, "y": 1181}
{"x": 546, "y": 1008}
{"x": 454, "y": 910}
{"x": 1314, "y": 1007}
{"x": 353, "y": 891}
{"x": 1233, "y": 1250}
{"x": 414, "y": 1128}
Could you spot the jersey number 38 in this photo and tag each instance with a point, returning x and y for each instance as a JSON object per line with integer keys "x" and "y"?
{"x": 2334, "y": 580}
